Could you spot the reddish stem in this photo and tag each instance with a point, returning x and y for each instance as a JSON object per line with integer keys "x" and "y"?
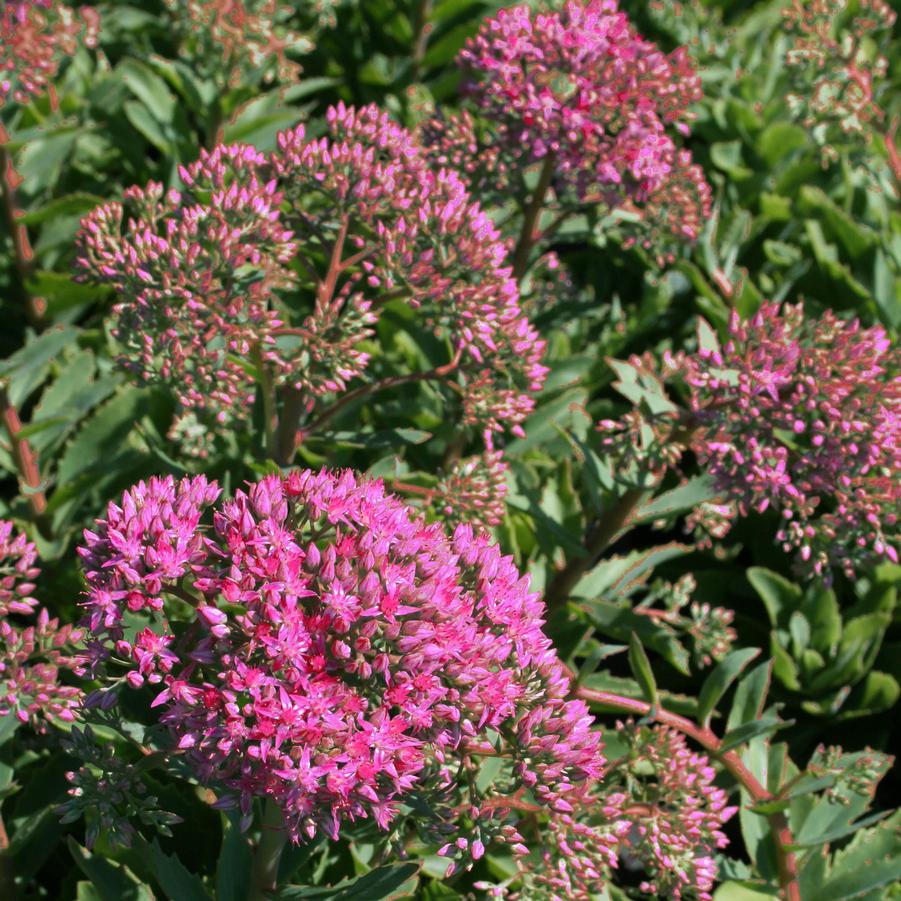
{"x": 527, "y": 235}
{"x": 284, "y": 441}
{"x": 415, "y": 490}
{"x": 25, "y": 458}
{"x": 707, "y": 739}
{"x": 23, "y": 254}
{"x": 330, "y": 282}
{"x": 440, "y": 372}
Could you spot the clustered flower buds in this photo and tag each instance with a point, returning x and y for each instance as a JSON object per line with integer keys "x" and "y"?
{"x": 708, "y": 628}
{"x": 795, "y": 414}
{"x": 473, "y": 491}
{"x": 656, "y": 811}
{"x": 108, "y": 792}
{"x": 337, "y": 652}
{"x": 804, "y": 415}
{"x": 238, "y": 41}
{"x": 30, "y": 657}
{"x": 35, "y": 35}
{"x": 580, "y": 91}
{"x": 835, "y": 71}
{"x": 210, "y": 301}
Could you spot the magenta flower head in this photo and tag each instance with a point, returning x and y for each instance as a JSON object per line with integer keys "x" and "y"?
{"x": 335, "y": 653}
{"x": 580, "y": 90}
{"x": 274, "y": 268}
{"x": 804, "y": 415}
{"x": 35, "y": 36}
{"x": 30, "y": 658}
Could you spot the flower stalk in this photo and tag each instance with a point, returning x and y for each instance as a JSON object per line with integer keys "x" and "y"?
{"x": 23, "y": 254}
{"x": 731, "y": 760}
{"x": 527, "y": 234}
{"x": 267, "y": 854}
{"x": 26, "y": 461}
{"x": 596, "y": 542}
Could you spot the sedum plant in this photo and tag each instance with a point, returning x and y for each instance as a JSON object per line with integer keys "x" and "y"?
{"x": 428, "y": 502}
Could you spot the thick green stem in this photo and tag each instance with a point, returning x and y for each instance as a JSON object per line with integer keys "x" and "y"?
{"x": 707, "y": 739}
{"x": 267, "y": 389}
{"x": 527, "y": 235}
{"x": 267, "y": 854}
{"x": 614, "y": 521}
{"x": 8, "y": 889}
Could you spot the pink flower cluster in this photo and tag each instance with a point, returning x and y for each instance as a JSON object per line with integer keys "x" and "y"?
{"x": 196, "y": 272}
{"x": 834, "y": 72}
{"x": 236, "y": 41}
{"x": 35, "y": 35}
{"x": 655, "y": 810}
{"x": 581, "y": 89}
{"x": 474, "y": 490}
{"x": 796, "y": 414}
{"x": 18, "y": 571}
{"x": 207, "y": 278}
{"x": 30, "y": 658}
{"x": 804, "y": 415}
{"x": 337, "y": 653}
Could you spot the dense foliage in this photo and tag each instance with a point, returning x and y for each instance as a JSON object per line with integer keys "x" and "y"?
{"x": 449, "y": 450}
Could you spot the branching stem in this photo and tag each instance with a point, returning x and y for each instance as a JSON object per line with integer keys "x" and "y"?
{"x": 707, "y": 739}
{"x": 527, "y": 235}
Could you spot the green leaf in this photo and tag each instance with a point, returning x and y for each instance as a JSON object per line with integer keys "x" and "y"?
{"x": 61, "y": 292}
{"x": 780, "y": 597}
{"x": 718, "y": 682}
{"x": 735, "y": 891}
{"x": 641, "y": 387}
{"x": 641, "y": 670}
{"x": 8, "y": 725}
{"x": 877, "y": 692}
{"x": 112, "y": 881}
{"x": 780, "y": 139}
{"x": 383, "y": 438}
{"x": 382, "y": 884}
{"x": 766, "y": 725}
{"x": 820, "y": 608}
{"x": 28, "y": 367}
{"x": 69, "y": 205}
{"x": 750, "y": 696}
{"x": 618, "y": 576}
{"x": 685, "y": 497}
{"x": 856, "y": 238}
{"x": 775, "y": 207}
{"x": 871, "y": 861}
{"x": 147, "y": 125}
{"x": 102, "y": 434}
{"x": 727, "y": 155}
{"x": 620, "y": 621}
{"x": 149, "y": 88}
{"x": 235, "y": 862}
{"x": 179, "y": 883}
